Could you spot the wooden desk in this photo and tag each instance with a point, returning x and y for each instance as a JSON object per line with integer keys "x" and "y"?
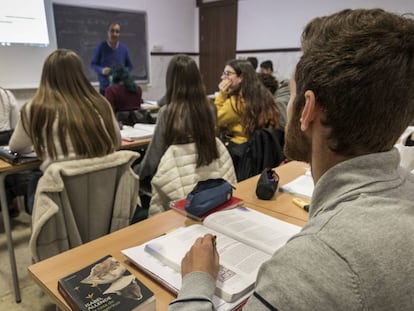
{"x": 151, "y": 106}
{"x": 281, "y": 202}
{"x": 47, "y": 272}
{"x": 135, "y": 144}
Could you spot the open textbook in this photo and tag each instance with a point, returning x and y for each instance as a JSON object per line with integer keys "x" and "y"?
{"x": 245, "y": 239}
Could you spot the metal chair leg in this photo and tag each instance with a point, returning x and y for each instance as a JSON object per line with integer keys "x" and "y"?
{"x": 7, "y": 229}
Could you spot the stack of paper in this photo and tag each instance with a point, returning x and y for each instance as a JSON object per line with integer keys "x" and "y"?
{"x": 302, "y": 186}
{"x": 149, "y": 104}
{"x": 139, "y": 131}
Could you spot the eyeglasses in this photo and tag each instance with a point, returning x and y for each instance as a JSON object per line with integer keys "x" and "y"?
{"x": 227, "y": 73}
{"x": 115, "y": 31}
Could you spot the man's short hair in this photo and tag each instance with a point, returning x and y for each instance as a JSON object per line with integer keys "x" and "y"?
{"x": 113, "y": 23}
{"x": 269, "y": 82}
{"x": 267, "y": 64}
{"x": 360, "y": 66}
{"x": 252, "y": 60}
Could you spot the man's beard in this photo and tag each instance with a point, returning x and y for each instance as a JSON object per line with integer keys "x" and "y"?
{"x": 297, "y": 145}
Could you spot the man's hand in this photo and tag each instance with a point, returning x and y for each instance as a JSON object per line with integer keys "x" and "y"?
{"x": 225, "y": 86}
{"x": 106, "y": 71}
{"x": 202, "y": 256}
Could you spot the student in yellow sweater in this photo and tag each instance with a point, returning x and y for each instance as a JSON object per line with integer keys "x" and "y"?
{"x": 243, "y": 105}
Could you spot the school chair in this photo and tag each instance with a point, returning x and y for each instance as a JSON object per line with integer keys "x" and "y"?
{"x": 177, "y": 174}
{"x": 78, "y": 201}
{"x": 264, "y": 150}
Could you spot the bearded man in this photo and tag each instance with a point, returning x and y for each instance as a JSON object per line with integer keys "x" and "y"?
{"x": 352, "y": 95}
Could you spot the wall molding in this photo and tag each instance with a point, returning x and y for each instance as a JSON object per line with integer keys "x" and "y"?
{"x": 173, "y": 53}
{"x": 280, "y": 50}
{"x": 262, "y": 51}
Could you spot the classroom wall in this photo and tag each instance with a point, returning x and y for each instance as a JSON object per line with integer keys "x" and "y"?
{"x": 262, "y": 25}
{"x": 277, "y": 24}
{"x": 174, "y": 28}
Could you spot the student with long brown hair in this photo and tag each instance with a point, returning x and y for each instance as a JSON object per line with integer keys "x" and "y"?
{"x": 186, "y": 117}
{"x": 184, "y": 148}
{"x": 243, "y": 103}
{"x": 243, "y": 106}
{"x": 67, "y": 118}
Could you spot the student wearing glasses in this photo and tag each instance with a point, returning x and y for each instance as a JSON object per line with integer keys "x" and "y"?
{"x": 243, "y": 105}
{"x": 109, "y": 53}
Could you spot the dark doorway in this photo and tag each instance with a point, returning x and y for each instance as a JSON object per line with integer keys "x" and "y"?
{"x": 218, "y": 32}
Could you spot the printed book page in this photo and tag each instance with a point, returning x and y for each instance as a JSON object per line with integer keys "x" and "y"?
{"x": 170, "y": 278}
{"x": 239, "y": 263}
{"x": 255, "y": 238}
{"x": 253, "y": 228}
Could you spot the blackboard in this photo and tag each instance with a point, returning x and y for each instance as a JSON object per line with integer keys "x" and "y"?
{"x": 81, "y": 29}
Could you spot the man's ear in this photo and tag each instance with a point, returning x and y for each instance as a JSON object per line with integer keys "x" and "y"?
{"x": 308, "y": 112}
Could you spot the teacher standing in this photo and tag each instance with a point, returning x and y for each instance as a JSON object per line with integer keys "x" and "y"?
{"x": 109, "y": 53}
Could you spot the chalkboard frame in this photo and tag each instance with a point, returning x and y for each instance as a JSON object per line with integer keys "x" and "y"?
{"x": 82, "y": 28}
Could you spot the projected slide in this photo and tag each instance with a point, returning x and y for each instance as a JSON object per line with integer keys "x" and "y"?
{"x": 23, "y": 22}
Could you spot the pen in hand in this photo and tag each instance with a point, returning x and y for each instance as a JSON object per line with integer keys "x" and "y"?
{"x": 214, "y": 241}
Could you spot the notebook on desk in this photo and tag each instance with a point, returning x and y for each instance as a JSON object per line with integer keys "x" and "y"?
{"x": 138, "y": 131}
{"x": 301, "y": 186}
{"x": 14, "y": 158}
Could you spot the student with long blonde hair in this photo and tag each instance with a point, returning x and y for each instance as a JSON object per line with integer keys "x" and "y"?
{"x": 67, "y": 118}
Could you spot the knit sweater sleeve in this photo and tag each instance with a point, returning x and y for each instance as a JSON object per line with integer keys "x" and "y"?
{"x": 196, "y": 293}
{"x": 226, "y": 115}
{"x": 306, "y": 274}
{"x": 156, "y": 148}
{"x": 20, "y": 141}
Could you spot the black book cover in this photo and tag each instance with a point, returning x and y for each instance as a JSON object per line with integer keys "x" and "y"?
{"x": 105, "y": 285}
{"x": 14, "y": 157}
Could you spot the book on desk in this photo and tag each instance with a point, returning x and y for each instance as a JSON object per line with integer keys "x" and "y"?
{"x": 179, "y": 206}
{"x": 243, "y": 234}
{"x": 301, "y": 186}
{"x": 105, "y": 285}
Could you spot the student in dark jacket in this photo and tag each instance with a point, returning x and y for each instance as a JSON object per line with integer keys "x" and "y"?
{"x": 124, "y": 94}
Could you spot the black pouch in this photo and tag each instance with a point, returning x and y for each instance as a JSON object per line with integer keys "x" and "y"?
{"x": 267, "y": 184}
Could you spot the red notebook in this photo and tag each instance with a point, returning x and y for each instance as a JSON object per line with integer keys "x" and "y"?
{"x": 179, "y": 206}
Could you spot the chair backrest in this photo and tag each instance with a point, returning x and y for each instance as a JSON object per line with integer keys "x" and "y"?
{"x": 264, "y": 150}
{"x": 80, "y": 200}
{"x": 135, "y": 116}
{"x": 5, "y": 137}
